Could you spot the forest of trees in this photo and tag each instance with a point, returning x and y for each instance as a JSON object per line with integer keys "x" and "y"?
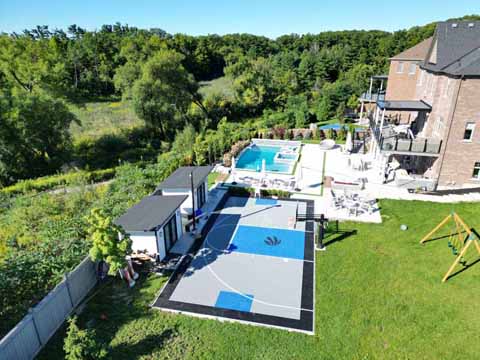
{"x": 292, "y": 80}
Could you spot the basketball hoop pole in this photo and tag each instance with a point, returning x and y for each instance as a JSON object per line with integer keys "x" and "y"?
{"x": 321, "y": 234}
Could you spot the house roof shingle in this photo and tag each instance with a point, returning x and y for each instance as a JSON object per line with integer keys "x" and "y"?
{"x": 455, "y": 49}
{"x": 180, "y": 178}
{"x": 150, "y": 213}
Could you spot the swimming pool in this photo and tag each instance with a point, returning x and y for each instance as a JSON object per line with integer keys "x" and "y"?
{"x": 251, "y": 159}
{"x": 337, "y": 127}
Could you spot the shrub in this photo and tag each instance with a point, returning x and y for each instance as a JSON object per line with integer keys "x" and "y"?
{"x": 81, "y": 344}
{"x": 330, "y": 134}
{"x": 235, "y": 150}
{"x": 279, "y": 132}
{"x": 54, "y": 181}
{"x": 241, "y": 191}
{"x": 275, "y": 192}
{"x": 104, "y": 235}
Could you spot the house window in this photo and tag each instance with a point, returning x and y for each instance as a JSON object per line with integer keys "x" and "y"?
{"x": 447, "y": 88}
{"x": 420, "y": 78}
{"x": 412, "y": 69}
{"x": 468, "y": 134}
{"x": 438, "y": 127}
{"x": 400, "y": 67}
{"x": 476, "y": 171}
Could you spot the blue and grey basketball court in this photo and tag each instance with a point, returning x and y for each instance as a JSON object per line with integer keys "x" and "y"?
{"x": 256, "y": 265}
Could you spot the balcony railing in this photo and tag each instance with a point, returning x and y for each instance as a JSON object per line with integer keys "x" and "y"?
{"x": 372, "y": 97}
{"x": 388, "y": 141}
{"x": 427, "y": 146}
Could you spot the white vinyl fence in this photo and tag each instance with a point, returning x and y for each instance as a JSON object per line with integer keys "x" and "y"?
{"x": 28, "y": 337}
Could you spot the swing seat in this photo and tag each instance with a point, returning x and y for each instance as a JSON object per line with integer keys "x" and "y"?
{"x": 449, "y": 244}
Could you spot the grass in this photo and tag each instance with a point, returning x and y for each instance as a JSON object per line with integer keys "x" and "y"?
{"x": 378, "y": 295}
{"x": 100, "y": 118}
{"x": 222, "y": 85}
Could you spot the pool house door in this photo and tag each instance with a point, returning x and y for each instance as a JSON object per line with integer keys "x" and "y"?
{"x": 170, "y": 233}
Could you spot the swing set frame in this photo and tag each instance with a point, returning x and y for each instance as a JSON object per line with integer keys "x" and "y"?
{"x": 470, "y": 239}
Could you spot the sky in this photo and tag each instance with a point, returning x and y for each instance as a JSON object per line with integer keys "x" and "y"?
{"x": 270, "y": 18}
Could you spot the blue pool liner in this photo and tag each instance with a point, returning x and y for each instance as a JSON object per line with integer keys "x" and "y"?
{"x": 266, "y": 202}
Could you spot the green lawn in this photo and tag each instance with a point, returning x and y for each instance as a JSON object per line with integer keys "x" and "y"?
{"x": 222, "y": 85}
{"x": 212, "y": 177}
{"x": 379, "y": 295}
{"x": 99, "y": 118}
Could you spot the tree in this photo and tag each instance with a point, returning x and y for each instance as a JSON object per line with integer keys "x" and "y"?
{"x": 34, "y": 135}
{"x": 184, "y": 144}
{"x": 81, "y": 344}
{"x": 31, "y": 64}
{"x": 163, "y": 94}
{"x": 107, "y": 245}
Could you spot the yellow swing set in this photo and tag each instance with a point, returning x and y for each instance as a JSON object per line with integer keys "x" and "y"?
{"x": 459, "y": 244}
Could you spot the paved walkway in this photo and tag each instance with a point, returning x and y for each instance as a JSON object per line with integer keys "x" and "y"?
{"x": 311, "y": 168}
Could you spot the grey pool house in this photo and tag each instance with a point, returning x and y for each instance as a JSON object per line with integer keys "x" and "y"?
{"x": 154, "y": 224}
{"x": 180, "y": 183}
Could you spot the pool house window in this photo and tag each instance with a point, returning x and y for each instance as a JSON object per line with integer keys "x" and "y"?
{"x": 468, "y": 134}
{"x": 476, "y": 171}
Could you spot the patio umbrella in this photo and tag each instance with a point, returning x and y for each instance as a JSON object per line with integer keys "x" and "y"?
{"x": 263, "y": 172}
{"x": 349, "y": 142}
{"x": 298, "y": 177}
{"x": 232, "y": 170}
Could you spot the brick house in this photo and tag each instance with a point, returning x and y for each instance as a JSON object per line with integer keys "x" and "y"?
{"x": 426, "y": 126}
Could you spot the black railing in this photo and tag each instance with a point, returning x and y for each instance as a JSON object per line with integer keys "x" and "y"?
{"x": 395, "y": 143}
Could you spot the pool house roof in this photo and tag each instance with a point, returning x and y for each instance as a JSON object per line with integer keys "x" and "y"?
{"x": 180, "y": 178}
{"x": 150, "y": 213}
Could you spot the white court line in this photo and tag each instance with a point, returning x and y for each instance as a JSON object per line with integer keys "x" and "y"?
{"x": 220, "y": 280}
{"x": 227, "y": 252}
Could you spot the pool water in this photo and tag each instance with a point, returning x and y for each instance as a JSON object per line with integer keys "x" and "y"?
{"x": 251, "y": 159}
{"x": 337, "y": 127}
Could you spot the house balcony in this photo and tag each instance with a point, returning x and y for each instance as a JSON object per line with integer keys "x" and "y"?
{"x": 368, "y": 97}
{"x": 403, "y": 141}
{"x": 391, "y": 136}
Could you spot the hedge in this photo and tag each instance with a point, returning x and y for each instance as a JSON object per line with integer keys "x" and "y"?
{"x": 54, "y": 181}
{"x": 248, "y": 191}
